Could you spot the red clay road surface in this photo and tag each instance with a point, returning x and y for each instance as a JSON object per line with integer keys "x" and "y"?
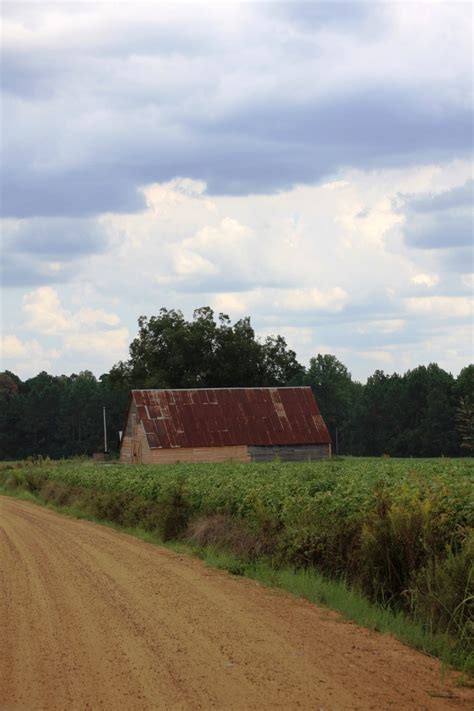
{"x": 95, "y": 619}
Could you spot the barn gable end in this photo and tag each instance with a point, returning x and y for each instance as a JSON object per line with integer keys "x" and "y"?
{"x": 217, "y": 424}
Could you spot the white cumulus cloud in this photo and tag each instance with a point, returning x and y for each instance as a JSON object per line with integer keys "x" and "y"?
{"x": 428, "y": 280}
{"x": 45, "y": 314}
{"x": 441, "y": 306}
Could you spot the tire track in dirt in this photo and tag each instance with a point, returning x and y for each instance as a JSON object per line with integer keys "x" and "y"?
{"x": 92, "y": 618}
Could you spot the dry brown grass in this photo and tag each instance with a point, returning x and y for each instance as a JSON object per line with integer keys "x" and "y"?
{"x": 60, "y": 494}
{"x": 227, "y": 533}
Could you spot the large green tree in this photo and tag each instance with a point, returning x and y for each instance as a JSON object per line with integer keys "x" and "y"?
{"x": 464, "y": 397}
{"x": 465, "y": 423}
{"x": 428, "y": 424}
{"x": 408, "y": 415}
{"x": 10, "y": 416}
{"x": 336, "y": 395}
{"x": 58, "y": 416}
{"x": 172, "y": 352}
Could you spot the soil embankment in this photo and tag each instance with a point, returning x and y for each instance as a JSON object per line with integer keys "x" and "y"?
{"x": 91, "y": 618}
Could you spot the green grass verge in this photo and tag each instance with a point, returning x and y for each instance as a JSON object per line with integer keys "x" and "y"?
{"x": 303, "y": 583}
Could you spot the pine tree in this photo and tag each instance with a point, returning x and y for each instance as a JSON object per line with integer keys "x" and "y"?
{"x": 465, "y": 422}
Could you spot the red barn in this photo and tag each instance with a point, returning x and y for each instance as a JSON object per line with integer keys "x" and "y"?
{"x": 219, "y": 424}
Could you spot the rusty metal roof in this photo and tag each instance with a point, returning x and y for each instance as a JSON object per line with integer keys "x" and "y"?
{"x": 219, "y": 417}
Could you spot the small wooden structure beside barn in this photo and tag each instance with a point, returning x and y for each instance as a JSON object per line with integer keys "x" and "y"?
{"x": 219, "y": 424}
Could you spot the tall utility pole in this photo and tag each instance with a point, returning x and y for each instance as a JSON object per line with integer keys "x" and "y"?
{"x": 105, "y": 431}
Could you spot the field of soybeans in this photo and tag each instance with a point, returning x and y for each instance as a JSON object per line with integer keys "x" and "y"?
{"x": 400, "y": 531}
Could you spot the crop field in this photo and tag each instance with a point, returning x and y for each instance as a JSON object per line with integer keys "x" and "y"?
{"x": 400, "y": 531}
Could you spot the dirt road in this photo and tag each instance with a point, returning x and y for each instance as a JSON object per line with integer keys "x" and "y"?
{"x": 94, "y": 619}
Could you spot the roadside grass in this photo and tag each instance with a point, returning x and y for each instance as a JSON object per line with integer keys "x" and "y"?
{"x": 307, "y": 584}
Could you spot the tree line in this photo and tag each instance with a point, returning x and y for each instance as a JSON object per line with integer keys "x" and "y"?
{"x": 424, "y": 412}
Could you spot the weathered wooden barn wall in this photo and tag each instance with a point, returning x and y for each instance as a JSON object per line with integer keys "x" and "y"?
{"x": 199, "y": 454}
{"x": 290, "y": 453}
{"x": 135, "y": 450}
{"x": 126, "y": 450}
{"x": 128, "y": 446}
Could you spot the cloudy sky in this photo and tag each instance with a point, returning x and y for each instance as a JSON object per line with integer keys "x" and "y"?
{"x": 305, "y": 163}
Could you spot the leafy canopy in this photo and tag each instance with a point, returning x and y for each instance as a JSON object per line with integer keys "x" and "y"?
{"x": 171, "y": 352}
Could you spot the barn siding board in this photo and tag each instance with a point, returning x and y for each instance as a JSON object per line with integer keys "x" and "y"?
{"x": 126, "y": 450}
{"x": 200, "y": 454}
{"x": 297, "y": 453}
{"x": 132, "y": 412}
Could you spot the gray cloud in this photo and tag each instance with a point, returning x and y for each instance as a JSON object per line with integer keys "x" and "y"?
{"x": 306, "y": 141}
{"x": 119, "y": 99}
{"x": 460, "y": 260}
{"x": 20, "y": 270}
{"x": 445, "y": 231}
{"x": 81, "y": 192}
{"x": 261, "y": 149}
{"x": 315, "y": 15}
{"x": 59, "y": 238}
{"x": 460, "y": 196}
{"x": 440, "y": 221}
{"x": 47, "y": 250}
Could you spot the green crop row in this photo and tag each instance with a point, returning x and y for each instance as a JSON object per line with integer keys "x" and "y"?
{"x": 401, "y": 531}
